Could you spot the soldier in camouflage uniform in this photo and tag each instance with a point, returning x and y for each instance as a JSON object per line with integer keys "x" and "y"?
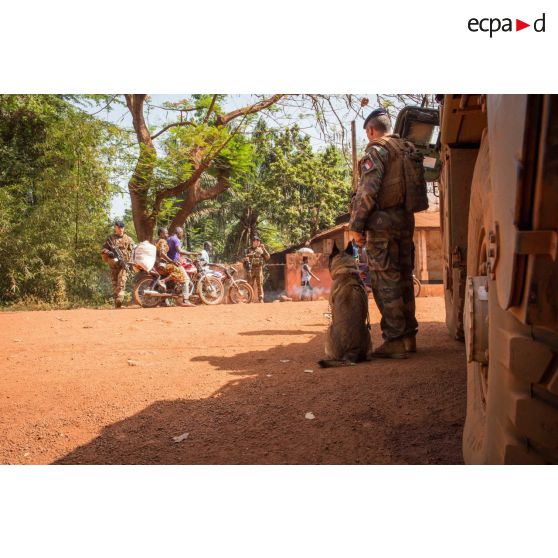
{"x": 256, "y": 256}
{"x": 378, "y": 212}
{"x": 118, "y": 274}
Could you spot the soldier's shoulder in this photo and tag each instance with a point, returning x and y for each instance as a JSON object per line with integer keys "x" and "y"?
{"x": 378, "y": 150}
{"x": 375, "y": 158}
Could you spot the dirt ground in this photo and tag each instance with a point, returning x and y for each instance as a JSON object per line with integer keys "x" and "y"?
{"x": 108, "y": 386}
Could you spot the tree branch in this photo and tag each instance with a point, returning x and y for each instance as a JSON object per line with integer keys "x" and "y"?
{"x": 180, "y": 188}
{"x": 210, "y": 109}
{"x": 222, "y": 184}
{"x": 174, "y": 124}
{"x": 244, "y": 111}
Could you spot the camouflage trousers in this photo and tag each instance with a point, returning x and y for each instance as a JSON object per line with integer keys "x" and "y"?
{"x": 390, "y": 254}
{"x": 256, "y": 282}
{"x": 118, "y": 277}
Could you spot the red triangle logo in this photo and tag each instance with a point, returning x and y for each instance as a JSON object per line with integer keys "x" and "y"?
{"x": 519, "y": 25}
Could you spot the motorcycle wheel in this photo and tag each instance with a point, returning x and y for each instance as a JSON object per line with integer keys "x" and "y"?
{"x": 240, "y": 292}
{"x": 416, "y": 286}
{"x": 211, "y": 290}
{"x": 143, "y": 300}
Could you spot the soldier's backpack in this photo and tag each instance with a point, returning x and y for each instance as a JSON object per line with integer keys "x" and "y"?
{"x": 405, "y": 181}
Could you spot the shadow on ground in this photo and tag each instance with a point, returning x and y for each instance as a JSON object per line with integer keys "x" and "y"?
{"x": 280, "y": 332}
{"x": 379, "y": 412}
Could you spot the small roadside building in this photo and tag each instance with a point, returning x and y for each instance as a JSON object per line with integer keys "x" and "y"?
{"x": 428, "y": 256}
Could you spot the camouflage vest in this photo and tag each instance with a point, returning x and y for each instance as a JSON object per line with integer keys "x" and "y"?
{"x": 392, "y": 190}
{"x": 403, "y": 184}
{"x": 257, "y": 260}
{"x": 123, "y": 242}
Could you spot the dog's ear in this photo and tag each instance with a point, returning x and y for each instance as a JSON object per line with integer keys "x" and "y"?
{"x": 334, "y": 253}
{"x": 335, "y": 250}
{"x": 349, "y": 248}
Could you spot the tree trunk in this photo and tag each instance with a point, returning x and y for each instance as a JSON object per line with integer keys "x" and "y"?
{"x": 249, "y": 222}
{"x": 139, "y": 183}
{"x": 188, "y": 206}
{"x": 144, "y": 215}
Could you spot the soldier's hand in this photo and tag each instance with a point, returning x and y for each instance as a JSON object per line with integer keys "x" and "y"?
{"x": 105, "y": 251}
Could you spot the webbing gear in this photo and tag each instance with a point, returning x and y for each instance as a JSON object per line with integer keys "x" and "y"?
{"x": 403, "y": 183}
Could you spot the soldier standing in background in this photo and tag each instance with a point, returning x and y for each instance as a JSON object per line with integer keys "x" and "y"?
{"x": 256, "y": 257}
{"x": 378, "y": 212}
{"x": 118, "y": 269}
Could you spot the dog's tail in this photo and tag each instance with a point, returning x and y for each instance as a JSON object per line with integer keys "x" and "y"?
{"x": 334, "y": 363}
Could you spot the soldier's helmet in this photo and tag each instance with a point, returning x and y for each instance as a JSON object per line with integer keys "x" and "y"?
{"x": 119, "y": 223}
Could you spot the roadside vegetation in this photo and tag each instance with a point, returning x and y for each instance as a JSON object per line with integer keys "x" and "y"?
{"x": 222, "y": 175}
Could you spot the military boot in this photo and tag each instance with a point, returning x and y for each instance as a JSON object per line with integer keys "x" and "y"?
{"x": 410, "y": 343}
{"x": 391, "y": 349}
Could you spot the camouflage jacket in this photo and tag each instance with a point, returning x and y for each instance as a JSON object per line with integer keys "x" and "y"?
{"x": 124, "y": 242}
{"x": 258, "y": 256}
{"x": 373, "y": 169}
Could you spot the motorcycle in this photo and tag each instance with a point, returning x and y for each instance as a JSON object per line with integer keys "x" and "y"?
{"x": 205, "y": 286}
{"x": 239, "y": 290}
{"x": 148, "y": 291}
{"x": 416, "y": 285}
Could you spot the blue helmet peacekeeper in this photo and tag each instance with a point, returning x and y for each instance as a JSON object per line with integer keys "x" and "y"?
{"x": 379, "y": 215}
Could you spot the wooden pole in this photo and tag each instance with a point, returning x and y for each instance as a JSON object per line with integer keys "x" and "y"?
{"x": 354, "y": 154}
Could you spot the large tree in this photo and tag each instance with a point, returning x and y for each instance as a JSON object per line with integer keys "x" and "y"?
{"x": 200, "y": 141}
{"x": 206, "y": 132}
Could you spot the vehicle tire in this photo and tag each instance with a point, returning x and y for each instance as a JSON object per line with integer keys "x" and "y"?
{"x": 140, "y": 285}
{"x": 240, "y": 292}
{"x": 211, "y": 290}
{"x": 512, "y": 412}
{"x": 416, "y": 286}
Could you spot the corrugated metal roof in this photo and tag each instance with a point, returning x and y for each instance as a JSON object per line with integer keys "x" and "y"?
{"x": 329, "y": 232}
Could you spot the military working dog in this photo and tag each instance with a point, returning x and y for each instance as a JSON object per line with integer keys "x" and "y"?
{"x": 348, "y": 337}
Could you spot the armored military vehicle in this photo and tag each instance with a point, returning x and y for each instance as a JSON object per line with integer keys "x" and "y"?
{"x": 495, "y": 158}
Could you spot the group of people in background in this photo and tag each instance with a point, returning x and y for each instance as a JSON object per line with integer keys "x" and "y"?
{"x": 170, "y": 251}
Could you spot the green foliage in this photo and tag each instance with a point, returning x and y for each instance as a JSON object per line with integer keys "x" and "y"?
{"x": 54, "y": 199}
{"x": 294, "y": 191}
{"x": 284, "y": 190}
{"x": 59, "y": 167}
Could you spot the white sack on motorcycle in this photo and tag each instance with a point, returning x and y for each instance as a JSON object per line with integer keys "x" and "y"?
{"x": 144, "y": 255}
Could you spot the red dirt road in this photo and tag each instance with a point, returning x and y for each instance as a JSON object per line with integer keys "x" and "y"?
{"x": 108, "y": 386}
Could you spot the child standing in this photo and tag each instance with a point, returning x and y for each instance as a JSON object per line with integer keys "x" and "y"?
{"x": 306, "y": 275}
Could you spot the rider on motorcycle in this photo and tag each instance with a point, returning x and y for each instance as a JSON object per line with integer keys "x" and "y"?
{"x": 172, "y": 269}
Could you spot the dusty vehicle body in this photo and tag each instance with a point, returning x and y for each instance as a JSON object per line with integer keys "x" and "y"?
{"x": 498, "y": 181}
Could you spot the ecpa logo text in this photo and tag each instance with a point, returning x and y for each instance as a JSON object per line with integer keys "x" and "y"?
{"x": 494, "y": 24}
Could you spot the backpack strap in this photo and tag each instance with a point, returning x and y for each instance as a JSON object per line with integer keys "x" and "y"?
{"x": 394, "y": 145}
